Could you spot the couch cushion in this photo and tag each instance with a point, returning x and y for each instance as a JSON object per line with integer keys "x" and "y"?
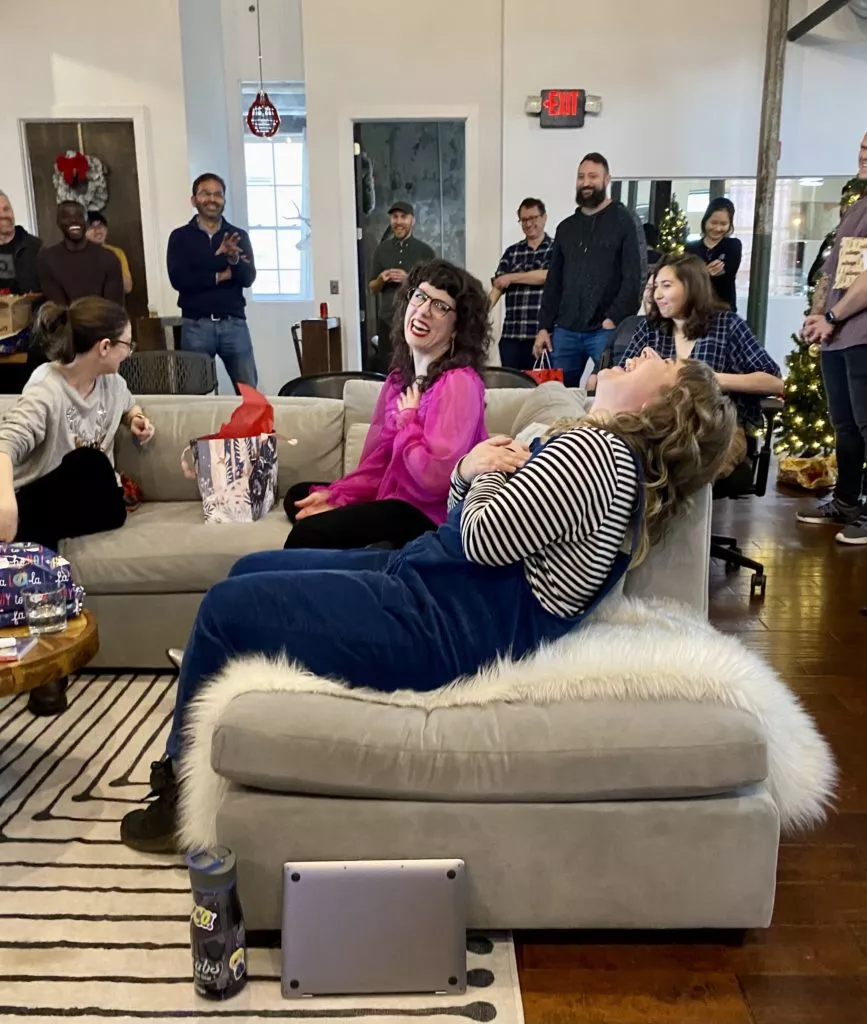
{"x": 359, "y": 401}
{"x": 547, "y": 403}
{"x": 317, "y": 423}
{"x": 501, "y": 405}
{"x": 167, "y": 548}
{"x": 356, "y": 435}
{"x": 311, "y": 743}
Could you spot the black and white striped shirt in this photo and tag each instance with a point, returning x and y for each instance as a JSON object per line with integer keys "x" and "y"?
{"x": 565, "y": 515}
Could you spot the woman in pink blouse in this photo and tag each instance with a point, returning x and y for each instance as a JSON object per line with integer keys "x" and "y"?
{"x": 430, "y": 413}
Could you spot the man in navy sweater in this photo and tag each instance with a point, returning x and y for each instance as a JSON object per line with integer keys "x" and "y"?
{"x": 210, "y": 263}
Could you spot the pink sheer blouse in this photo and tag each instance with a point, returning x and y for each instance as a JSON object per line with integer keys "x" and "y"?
{"x": 410, "y": 455}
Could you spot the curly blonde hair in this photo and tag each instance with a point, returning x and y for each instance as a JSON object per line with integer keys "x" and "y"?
{"x": 682, "y": 440}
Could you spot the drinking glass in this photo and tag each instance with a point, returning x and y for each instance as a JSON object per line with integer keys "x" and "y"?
{"x": 45, "y": 608}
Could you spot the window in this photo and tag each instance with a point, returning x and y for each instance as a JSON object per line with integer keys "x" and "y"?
{"x": 277, "y": 201}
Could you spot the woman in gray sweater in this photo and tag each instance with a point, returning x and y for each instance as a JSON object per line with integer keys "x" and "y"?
{"x": 57, "y": 478}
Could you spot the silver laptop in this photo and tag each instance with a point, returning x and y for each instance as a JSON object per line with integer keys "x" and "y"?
{"x": 381, "y": 926}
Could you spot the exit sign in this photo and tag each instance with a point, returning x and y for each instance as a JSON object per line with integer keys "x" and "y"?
{"x": 562, "y": 108}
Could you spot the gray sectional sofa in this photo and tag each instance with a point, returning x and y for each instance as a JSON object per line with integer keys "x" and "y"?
{"x": 616, "y": 814}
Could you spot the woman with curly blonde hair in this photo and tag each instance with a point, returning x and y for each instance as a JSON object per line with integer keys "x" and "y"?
{"x": 532, "y": 543}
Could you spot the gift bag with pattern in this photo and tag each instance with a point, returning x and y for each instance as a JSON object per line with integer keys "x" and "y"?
{"x": 236, "y": 468}
{"x": 26, "y": 565}
{"x": 237, "y": 476}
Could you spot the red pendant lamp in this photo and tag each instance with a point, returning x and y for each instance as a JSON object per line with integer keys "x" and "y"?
{"x": 262, "y": 117}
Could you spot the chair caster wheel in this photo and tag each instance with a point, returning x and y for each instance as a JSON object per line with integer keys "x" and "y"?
{"x": 757, "y": 586}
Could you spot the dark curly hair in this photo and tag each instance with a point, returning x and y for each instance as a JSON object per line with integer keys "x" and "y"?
{"x": 472, "y": 324}
{"x": 700, "y": 302}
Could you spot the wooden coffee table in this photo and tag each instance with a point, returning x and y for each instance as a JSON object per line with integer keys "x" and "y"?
{"x": 54, "y": 657}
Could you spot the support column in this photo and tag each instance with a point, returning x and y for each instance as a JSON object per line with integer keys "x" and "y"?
{"x": 632, "y": 195}
{"x": 766, "y": 173}
{"x": 660, "y": 198}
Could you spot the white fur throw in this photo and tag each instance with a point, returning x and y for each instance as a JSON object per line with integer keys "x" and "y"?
{"x": 644, "y": 650}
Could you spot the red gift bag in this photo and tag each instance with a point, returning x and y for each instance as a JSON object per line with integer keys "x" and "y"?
{"x": 542, "y": 371}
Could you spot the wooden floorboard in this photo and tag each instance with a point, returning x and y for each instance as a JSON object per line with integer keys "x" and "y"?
{"x": 810, "y": 967}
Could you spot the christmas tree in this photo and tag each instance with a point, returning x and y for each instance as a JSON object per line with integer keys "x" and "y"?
{"x": 805, "y": 430}
{"x": 673, "y": 229}
{"x": 804, "y": 427}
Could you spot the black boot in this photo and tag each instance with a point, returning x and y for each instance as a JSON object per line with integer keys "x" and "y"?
{"x": 49, "y": 699}
{"x": 151, "y": 829}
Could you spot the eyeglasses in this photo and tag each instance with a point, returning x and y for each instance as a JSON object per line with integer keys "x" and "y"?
{"x": 129, "y": 344}
{"x": 210, "y": 195}
{"x": 529, "y": 220}
{"x": 439, "y": 309}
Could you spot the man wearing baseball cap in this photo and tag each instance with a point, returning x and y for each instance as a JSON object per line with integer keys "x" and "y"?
{"x": 393, "y": 259}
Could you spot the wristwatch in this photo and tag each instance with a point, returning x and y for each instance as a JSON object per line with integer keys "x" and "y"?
{"x": 832, "y": 319}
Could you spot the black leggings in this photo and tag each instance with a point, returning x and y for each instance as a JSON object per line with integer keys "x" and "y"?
{"x": 80, "y": 497}
{"x": 390, "y": 522}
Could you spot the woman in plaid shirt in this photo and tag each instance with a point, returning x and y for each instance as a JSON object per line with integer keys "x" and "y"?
{"x": 685, "y": 321}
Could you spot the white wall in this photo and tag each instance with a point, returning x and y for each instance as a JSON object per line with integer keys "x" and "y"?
{"x": 680, "y": 82}
{"x": 825, "y": 95}
{"x": 97, "y": 61}
{"x": 402, "y": 60}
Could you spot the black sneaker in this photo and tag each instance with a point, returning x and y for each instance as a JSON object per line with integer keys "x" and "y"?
{"x": 832, "y": 511}
{"x": 854, "y": 533}
{"x": 152, "y": 829}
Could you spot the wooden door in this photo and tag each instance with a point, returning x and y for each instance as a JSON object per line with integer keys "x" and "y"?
{"x": 114, "y": 143}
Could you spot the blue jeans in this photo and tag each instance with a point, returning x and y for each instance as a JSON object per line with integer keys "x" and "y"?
{"x": 268, "y": 605}
{"x": 517, "y": 355}
{"x": 228, "y": 339}
{"x": 845, "y": 375}
{"x": 572, "y": 349}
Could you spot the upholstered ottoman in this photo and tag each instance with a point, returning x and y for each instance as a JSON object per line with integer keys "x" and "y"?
{"x": 590, "y": 815}
{"x": 634, "y": 775}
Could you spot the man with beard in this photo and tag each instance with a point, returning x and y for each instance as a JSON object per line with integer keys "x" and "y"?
{"x": 597, "y": 273}
{"x": 76, "y": 268}
{"x": 210, "y": 263}
{"x": 393, "y": 259}
{"x": 18, "y": 252}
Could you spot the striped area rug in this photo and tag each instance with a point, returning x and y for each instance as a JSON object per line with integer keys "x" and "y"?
{"x": 93, "y": 932}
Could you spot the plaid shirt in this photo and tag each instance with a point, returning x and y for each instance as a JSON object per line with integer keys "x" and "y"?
{"x": 728, "y": 347}
{"x": 521, "y": 322}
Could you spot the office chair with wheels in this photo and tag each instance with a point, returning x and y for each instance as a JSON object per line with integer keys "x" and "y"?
{"x": 170, "y": 373}
{"x": 325, "y": 385}
{"x": 506, "y": 377}
{"x": 619, "y": 343}
{"x": 749, "y": 478}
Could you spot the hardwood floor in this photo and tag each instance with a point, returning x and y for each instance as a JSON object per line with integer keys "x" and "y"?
{"x": 810, "y": 967}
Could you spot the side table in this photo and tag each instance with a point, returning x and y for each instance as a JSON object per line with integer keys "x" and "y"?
{"x": 54, "y": 658}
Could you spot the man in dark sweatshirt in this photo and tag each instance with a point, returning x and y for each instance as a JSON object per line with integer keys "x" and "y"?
{"x": 596, "y": 277}
{"x": 75, "y": 268}
{"x": 210, "y": 263}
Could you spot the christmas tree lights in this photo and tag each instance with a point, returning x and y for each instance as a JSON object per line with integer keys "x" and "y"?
{"x": 673, "y": 229}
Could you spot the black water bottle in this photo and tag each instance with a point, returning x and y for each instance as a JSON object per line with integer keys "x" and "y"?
{"x": 217, "y": 936}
